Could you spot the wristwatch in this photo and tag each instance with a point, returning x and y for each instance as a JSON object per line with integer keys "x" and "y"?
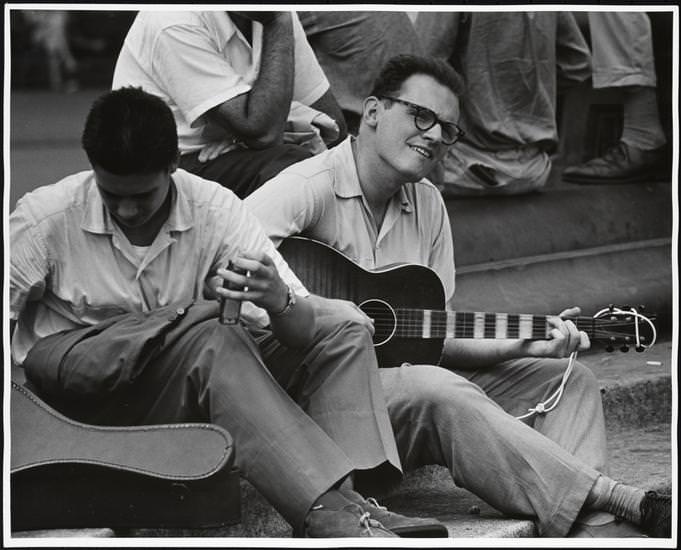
{"x": 290, "y": 302}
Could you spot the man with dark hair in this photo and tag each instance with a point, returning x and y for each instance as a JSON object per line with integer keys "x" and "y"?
{"x": 462, "y": 414}
{"x": 107, "y": 277}
{"x": 246, "y": 90}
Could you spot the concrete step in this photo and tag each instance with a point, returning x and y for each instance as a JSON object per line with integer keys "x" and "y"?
{"x": 558, "y": 219}
{"x": 568, "y": 245}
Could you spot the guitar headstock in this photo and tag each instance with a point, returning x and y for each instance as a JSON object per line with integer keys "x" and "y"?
{"x": 623, "y": 327}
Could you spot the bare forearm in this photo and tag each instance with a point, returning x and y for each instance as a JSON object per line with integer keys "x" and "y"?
{"x": 470, "y": 354}
{"x": 258, "y": 117}
{"x": 294, "y": 328}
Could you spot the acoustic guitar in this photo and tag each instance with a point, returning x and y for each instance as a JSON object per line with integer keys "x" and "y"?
{"x": 407, "y": 305}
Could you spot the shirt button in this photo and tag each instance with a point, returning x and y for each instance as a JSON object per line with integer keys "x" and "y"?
{"x": 180, "y": 311}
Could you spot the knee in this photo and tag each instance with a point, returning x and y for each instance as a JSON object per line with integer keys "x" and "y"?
{"x": 332, "y": 313}
{"x": 210, "y": 343}
{"x": 439, "y": 392}
{"x": 585, "y": 379}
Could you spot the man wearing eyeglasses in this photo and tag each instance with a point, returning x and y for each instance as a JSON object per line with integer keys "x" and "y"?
{"x": 368, "y": 198}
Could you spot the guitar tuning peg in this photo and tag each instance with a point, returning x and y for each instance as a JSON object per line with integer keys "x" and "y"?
{"x": 609, "y": 348}
{"x": 624, "y": 348}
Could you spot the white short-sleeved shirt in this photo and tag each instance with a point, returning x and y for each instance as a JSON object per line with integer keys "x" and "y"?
{"x": 71, "y": 265}
{"x": 195, "y": 61}
{"x": 321, "y": 198}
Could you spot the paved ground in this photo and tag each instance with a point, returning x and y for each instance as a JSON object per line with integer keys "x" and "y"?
{"x": 45, "y": 129}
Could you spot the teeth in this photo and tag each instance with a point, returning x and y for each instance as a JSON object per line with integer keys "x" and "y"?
{"x": 421, "y": 151}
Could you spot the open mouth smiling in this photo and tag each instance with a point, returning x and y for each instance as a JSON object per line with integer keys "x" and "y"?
{"x": 427, "y": 153}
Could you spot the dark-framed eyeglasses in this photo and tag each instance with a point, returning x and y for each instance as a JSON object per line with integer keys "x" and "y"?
{"x": 425, "y": 119}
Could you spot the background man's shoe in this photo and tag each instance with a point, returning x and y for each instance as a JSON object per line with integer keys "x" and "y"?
{"x": 620, "y": 164}
{"x": 656, "y": 515}
{"x": 601, "y": 525}
{"x": 402, "y": 526}
{"x": 349, "y": 521}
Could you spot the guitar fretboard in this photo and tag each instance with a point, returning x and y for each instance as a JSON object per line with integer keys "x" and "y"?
{"x": 425, "y": 323}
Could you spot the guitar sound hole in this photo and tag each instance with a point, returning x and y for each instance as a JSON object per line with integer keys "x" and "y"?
{"x": 384, "y": 318}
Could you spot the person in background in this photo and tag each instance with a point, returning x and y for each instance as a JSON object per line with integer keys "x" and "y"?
{"x": 514, "y": 64}
{"x": 622, "y": 48}
{"x": 246, "y": 90}
{"x": 352, "y": 46}
{"x": 49, "y": 34}
{"x": 108, "y": 269}
{"x": 489, "y": 411}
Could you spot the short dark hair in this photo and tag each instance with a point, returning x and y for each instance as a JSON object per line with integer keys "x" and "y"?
{"x": 401, "y": 67}
{"x": 129, "y": 131}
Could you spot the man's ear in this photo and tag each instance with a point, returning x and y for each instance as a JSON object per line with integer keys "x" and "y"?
{"x": 370, "y": 109}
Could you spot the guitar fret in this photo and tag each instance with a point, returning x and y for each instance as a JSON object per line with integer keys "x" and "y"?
{"x": 425, "y": 330}
{"x": 513, "y": 324}
{"x": 501, "y": 325}
{"x": 450, "y": 324}
{"x": 490, "y": 325}
{"x": 525, "y": 326}
{"x": 479, "y": 328}
{"x": 539, "y": 327}
{"x": 464, "y": 325}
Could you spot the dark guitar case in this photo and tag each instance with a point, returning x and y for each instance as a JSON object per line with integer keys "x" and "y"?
{"x": 65, "y": 474}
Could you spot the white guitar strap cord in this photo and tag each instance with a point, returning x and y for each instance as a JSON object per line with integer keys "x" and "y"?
{"x": 552, "y": 402}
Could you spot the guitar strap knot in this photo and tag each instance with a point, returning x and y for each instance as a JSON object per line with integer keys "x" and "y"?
{"x": 552, "y": 402}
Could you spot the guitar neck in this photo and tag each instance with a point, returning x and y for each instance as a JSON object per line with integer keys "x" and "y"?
{"x": 425, "y": 323}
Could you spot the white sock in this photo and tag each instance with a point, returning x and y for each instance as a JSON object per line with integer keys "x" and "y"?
{"x": 617, "y": 498}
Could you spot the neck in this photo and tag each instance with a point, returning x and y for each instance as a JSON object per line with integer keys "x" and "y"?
{"x": 378, "y": 184}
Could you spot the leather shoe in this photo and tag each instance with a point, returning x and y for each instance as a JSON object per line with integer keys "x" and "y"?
{"x": 603, "y": 525}
{"x": 347, "y": 521}
{"x": 622, "y": 163}
{"x": 402, "y": 526}
{"x": 656, "y": 515}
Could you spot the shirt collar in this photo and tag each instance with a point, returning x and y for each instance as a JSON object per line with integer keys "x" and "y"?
{"x": 97, "y": 218}
{"x": 346, "y": 181}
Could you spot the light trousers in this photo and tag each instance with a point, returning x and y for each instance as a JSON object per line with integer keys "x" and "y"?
{"x": 622, "y": 49}
{"x": 541, "y": 468}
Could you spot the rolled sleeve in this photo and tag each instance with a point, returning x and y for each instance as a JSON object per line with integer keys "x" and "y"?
{"x": 442, "y": 252}
{"x": 184, "y": 56}
{"x": 28, "y": 263}
{"x": 310, "y": 81}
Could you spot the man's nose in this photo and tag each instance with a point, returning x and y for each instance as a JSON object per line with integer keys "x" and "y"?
{"x": 434, "y": 133}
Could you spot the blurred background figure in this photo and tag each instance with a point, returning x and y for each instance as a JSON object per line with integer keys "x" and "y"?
{"x": 514, "y": 65}
{"x": 352, "y": 47}
{"x": 622, "y": 49}
{"x": 65, "y": 51}
{"x": 49, "y": 33}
